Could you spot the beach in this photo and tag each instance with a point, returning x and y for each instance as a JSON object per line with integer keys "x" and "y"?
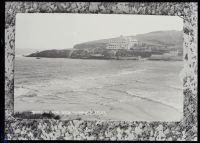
{"x": 100, "y": 89}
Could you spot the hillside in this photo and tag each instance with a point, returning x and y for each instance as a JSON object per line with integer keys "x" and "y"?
{"x": 168, "y": 38}
{"x": 171, "y": 38}
{"x": 92, "y": 44}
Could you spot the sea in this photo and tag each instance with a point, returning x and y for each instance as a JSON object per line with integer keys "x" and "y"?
{"x": 100, "y": 89}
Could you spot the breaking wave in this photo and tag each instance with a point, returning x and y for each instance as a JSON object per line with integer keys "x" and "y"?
{"x": 155, "y": 99}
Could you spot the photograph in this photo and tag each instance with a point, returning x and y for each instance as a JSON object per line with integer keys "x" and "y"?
{"x": 116, "y": 67}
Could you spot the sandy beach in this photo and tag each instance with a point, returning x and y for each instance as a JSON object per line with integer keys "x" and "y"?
{"x": 91, "y": 90}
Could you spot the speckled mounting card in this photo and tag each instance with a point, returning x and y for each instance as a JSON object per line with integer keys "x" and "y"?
{"x": 186, "y": 129}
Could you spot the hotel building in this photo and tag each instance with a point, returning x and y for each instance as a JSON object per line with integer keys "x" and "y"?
{"x": 121, "y": 43}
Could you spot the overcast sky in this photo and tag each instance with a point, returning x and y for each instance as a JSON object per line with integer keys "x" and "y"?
{"x": 63, "y": 30}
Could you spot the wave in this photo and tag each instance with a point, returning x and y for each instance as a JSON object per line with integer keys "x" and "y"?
{"x": 26, "y": 91}
{"x": 176, "y": 87}
{"x": 131, "y": 72}
{"x": 29, "y": 95}
{"x": 88, "y": 112}
{"x": 120, "y": 73}
{"x": 125, "y": 72}
{"x": 19, "y": 91}
{"x": 147, "y": 97}
{"x": 83, "y": 83}
{"x": 155, "y": 100}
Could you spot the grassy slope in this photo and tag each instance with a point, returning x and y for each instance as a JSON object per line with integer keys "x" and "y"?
{"x": 168, "y": 38}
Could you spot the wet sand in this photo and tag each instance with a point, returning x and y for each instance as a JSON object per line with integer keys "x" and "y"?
{"x": 140, "y": 110}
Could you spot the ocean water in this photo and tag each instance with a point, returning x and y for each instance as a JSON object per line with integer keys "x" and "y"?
{"x": 137, "y": 90}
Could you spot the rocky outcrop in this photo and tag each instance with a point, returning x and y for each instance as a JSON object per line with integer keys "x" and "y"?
{"x": 51, "y": 54}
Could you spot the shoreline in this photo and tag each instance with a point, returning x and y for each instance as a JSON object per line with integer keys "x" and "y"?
{"x": 139, "y": 110}
{"x": 121, "y": 59}
{"x": 110, "y": 91}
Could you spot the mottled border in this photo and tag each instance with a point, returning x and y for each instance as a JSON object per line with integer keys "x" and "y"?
{"x": 186, "y": 129}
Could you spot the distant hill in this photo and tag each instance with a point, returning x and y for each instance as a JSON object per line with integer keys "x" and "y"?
{"x": 170, "y": 38}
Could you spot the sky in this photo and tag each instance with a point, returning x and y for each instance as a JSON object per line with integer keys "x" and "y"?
{"x": 41, "y": 31}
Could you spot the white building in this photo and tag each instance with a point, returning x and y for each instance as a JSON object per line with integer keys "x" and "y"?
{"x": 121, "y": 43}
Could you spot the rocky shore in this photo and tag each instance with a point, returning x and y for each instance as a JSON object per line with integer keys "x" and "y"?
{"x": 105, "y": 54}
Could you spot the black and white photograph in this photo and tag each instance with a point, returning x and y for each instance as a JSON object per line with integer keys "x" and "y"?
{"x": 99, "y": 66}
{"x": 99, "y": 71}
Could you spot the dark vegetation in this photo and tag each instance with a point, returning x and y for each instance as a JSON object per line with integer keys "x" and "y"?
{"x": 80, "y": 54}
{"x": 51, "y": 54}
{"x": 30, "y": 115}
{"x": 133, "y": 53}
